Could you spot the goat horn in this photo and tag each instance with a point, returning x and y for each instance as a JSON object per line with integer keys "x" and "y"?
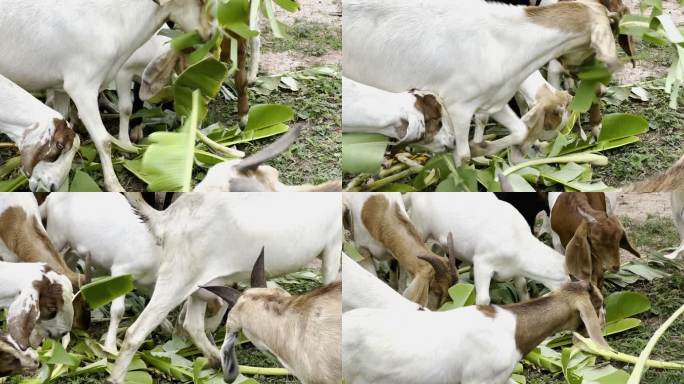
{"x": 230, "y": 295}
{"x": 276, "y": 148}
{"x": 258, "y": 272}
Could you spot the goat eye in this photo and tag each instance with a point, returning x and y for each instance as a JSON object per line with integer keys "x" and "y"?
{"x": 60, "y": 146}
{"x": 439, "y": 124}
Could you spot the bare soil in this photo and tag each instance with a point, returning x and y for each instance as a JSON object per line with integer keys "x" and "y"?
{"x": 645, "y": 69}
{"x": 328, "y": 12}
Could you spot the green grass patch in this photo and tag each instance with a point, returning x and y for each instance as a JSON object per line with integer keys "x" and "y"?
{"x": 306, "y": 38}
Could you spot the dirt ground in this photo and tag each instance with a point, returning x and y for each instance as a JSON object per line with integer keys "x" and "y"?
{"x": 327, "y": 12}
{"x": 644, "y": 69}
{"x": 638, "y": 206}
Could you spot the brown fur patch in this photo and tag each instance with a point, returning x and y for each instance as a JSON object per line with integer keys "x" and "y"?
{"x": 541, "y": 317}
{"x": 50, "y": 299}
{"x": 9, "y": 363}
{"x": 565, "y": 16}
{"x": 62, "y": 140}
{"x": 429, "y": 106}
{"x": 487, "y": 310}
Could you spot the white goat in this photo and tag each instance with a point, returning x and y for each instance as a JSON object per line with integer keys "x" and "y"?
{"x": 41, "y": 133}
{"x": 407, "y": 117}
{"x": 285, "y": 325}
{"x": 489, "y": 233}
{"x": 677, "y": 200}
{"x": 477, "y": 344}
{"x": 363, "y": 290}
{"x": 13, "y": 359}
{"x": 505, "y": 43}
{"x": 222, "y": 234}
{"x": 93, "y": 224}
{"x": 39, "y": 300}
{"x": 83, "y": 54}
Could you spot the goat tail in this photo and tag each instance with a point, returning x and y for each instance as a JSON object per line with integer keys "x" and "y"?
{"x": 145, "y": 212}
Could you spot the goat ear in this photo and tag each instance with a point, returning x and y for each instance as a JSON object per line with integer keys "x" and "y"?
{"x": 603, "y": 42}
{"x": 626, "y": 244}
{"x": 589, "y": 218}
{"x": 258, "y": 279}
{"x": 23, "y": 314}
{"x": 158, "y": 73}
{"x": 591, "y": 321}
{"x": 230, "y": 295}
{"x": 578, "y": 254}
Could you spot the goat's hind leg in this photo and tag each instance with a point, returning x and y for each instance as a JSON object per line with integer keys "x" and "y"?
{"x": 194, "y": 326}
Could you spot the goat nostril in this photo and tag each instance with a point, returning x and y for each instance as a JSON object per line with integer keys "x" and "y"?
{"x": 53, "y": 187}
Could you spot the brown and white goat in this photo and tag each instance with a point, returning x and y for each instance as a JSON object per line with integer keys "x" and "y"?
{"x": 303, "y": 332}
{"x": 40, "y": 133}
{"x": 24, "y": 239}
{"x": 249, "y": 175}
{"x": 39, "y": 301}
{"x": 15, "y": 360}
{"x": 477, "y": 344}
{"x": 581, "y": 221}
{"x": 381, "y": 229}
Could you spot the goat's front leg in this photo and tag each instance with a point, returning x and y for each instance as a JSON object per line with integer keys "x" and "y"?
{"x": 483, "y": 276}
{"x": 481, "y": 119}
{"x": 116, "y": 314}
{"x": 85, "y": 99}
{"x": 194, "y": 327}
{"x": 331, "y": 262}
{"x": 553, "y": 73}
{"x": 460, "y": 118}
{"x": 123, "y": 90}
{"x": 168, "y": 293}
{"x": 518, "y": 132}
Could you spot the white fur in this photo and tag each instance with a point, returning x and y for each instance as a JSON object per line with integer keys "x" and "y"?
{"x": 489, "y": 233}
{"x": 60, "y": 53}
{"x": 213, "y": 238}
{"x": 498, "y": 47}
{"x": 363, "y": 290}
{"x": 104, "y": 226}
{"x": 383, "y": 346}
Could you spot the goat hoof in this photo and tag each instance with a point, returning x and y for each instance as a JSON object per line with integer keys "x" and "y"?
{"x": 478, "y": 149}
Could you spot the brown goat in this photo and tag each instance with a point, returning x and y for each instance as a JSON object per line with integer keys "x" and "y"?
{"x": 303, "y": 332}
{"x": 592, "y": 237}
{"x": 386, "y": 222}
